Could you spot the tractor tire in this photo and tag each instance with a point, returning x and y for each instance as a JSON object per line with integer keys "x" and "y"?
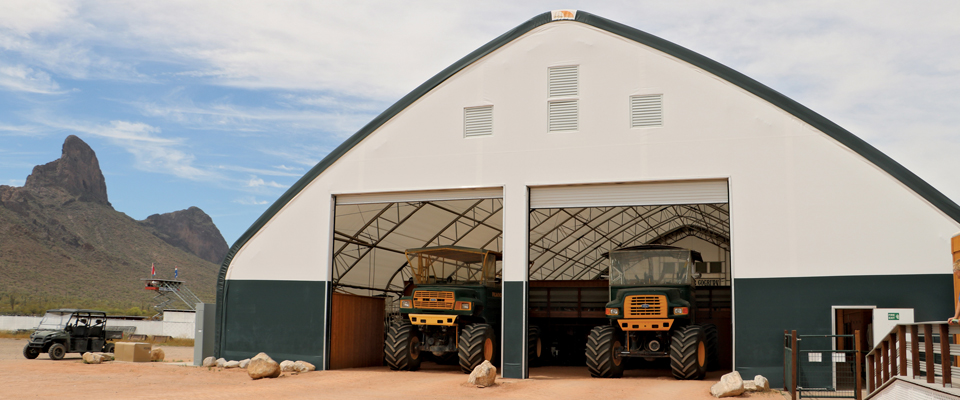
{"x": 401, "y": 349}
{"x": 712, "y": 337}
{"x": 30, "y": 352}
{"x": 603, "y": 353}
{"x": 477, "y": 343}
{"x": 57, "y": 351}
{"x": 534, "y": 345}
{"x": 688, "y": 353}
{"x": 108, "y": 348}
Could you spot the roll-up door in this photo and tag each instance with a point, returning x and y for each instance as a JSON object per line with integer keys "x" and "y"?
{"x": 433, "y": 195}
{"x": 630, "y": 194}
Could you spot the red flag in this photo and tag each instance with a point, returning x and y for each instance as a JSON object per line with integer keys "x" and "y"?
{"x": 153, "y": 271}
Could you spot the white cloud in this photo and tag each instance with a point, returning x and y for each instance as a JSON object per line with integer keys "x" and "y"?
{"x": 257, "y": 182}
{"x": 20, "y": 78}
{"x": 286, "y": 168}
{"x": 268, "y": 172}
{"x": 15, "y": 182}
{"x": 249, "y": 201}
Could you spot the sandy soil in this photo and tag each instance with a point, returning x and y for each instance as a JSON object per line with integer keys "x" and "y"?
{"x": 44, "y": 378}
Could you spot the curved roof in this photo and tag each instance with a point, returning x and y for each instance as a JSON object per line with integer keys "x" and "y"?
{"x": 907, "y": 178}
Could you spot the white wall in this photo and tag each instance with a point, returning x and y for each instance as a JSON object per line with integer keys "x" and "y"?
{"x": 801, "y": 204}
{"x": 176, "y": 328}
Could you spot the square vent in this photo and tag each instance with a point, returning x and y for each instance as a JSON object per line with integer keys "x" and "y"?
{"x": 646, "y": 110}
{"x": 478, "y": 121}
{"x": 563, "y": 115}
{"x": 564, "y": 81}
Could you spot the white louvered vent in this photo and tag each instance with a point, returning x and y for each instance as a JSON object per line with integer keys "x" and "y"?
{"x": 563, "y": 115}
{"x": 564, "y": 81}
{"x": 646, "y": 110}
{"x": 478, "y": 121}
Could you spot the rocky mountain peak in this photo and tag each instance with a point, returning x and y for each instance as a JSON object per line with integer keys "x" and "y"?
{"x": 191, "y": 230}
{"x": 77, "y": 172}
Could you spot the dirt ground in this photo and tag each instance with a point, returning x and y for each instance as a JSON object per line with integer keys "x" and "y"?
{"x": 44, "y": 378}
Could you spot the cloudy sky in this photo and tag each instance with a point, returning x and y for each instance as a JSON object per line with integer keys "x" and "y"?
{"x": 225, "y": 104}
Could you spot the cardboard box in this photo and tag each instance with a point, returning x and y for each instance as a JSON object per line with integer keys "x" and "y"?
{"x": 132, "y": 351}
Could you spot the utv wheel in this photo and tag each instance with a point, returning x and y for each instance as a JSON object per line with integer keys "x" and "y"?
{"x": 108, "y": 348}
{"x": 57, "y": 351}
{"x": 603, "y": 353}
{"x": 477, "y": 343}
{"x": 534, "y": 345}
{"x": 30, "y": 352}
{"x": 401, "y": 350}
{"x": 688, "y": 353}
{"x": 712, "y": 338}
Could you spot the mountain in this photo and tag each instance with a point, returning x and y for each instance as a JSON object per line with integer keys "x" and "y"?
{"x": 63, "y": 244}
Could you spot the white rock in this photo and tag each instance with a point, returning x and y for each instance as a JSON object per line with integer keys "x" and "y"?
{"x": 91, "y": 358}
{"x": 263, "y": 368}
{"x": 483, "y": 375}
{"x": 303, "y": 366}
{"x": 209, "y": 362}
{"x": 287, "y": 366}
{"x": 749, "y": 386}
{"x": 106, "y": 356}
{"x": 730, "y": 385}
{"x": 762, "y": 383}
{"x": 262, "y": 356}
{"x": 232, "y": 364}
{"x": 244, "y": 362}
{"x": 221, "y": 362}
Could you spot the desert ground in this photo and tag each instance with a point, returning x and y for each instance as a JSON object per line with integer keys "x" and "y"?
{"x": 70, "y": 378}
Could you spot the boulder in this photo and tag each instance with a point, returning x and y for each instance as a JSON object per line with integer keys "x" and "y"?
{"x": 262, "y": 356}
{"x": 483, "y": 375}
{"x": 91, "y": 358}
{"x": 232, "y": 364}
{"x": 303, "y": 366}
{"x": 730, "y": 385}
{"x": 263, "y": 368}
{"x": 209, "y": 362}
{"x": 156, "y": 355}
{"x": 244, "y": 362}
{"x": 762, "y": 383}
{"x": 221, "y": 362}
{"x": 749, "y": 386}
{"x": 287, "y": 366}
{"x": 105, "y": 356}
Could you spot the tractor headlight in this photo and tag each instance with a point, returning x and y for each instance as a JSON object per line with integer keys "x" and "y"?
{"x": 680, "y": 311}
{"x": 613, "y": 311}
{"x": 463, "y": 305}
{"x": 405, "y": 304}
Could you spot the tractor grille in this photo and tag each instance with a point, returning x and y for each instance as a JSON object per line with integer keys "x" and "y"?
{"x": 645, "y": 307}
{"x": 434, "y": 300}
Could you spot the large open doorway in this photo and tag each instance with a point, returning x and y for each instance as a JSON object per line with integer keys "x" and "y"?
{"x": 573, "y": 228}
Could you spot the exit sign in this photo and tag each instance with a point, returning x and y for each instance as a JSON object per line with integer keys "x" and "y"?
{"x": 894, "y": 316}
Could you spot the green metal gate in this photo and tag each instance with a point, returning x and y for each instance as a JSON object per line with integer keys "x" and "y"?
{"x": 814, "y": 368}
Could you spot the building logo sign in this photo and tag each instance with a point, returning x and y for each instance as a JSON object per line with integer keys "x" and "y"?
{"x": 559, "y": 15}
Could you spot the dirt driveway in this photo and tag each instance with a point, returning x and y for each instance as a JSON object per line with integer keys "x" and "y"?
{"x": 70, "y": 378}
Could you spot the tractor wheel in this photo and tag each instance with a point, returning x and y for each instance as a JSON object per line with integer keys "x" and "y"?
{"x": 712, "y": 337}
{"x": 57, "y": 351}
{"x": 30, "y": 352}
{"x": 401, "y": 349}
{"x": 477, "y": 343}
{"x": 534, "y": 345}
{"x": 688, "y": 353}
{"x": 108, "y": 348}
{"x": 603, "y": 353}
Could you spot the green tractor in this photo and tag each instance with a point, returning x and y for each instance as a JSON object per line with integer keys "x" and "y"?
{"x": 453, "y": 313}
{"x": 652, "y": 313}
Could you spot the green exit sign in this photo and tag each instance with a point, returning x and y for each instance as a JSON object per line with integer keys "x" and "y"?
{"x": 894, "y": 316}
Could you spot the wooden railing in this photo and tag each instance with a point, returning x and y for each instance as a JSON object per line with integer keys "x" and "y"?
{"x": 901, "y": 351}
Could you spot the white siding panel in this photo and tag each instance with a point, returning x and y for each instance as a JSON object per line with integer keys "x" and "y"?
{"x": 630, "y": 194}
{"x": 395, "y": 197}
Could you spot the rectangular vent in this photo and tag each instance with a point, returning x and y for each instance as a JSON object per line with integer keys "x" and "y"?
{"x": 646, "y": 110}
{"x": 564, "y": 81}
{"x": 563, "y": 115}
{"x": 478, "y": 121}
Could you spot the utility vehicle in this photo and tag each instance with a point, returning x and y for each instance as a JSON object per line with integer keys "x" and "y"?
{"x": 66, "y": 330}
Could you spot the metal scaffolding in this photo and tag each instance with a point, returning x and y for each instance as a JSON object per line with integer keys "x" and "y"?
{"x": 168, "y": 291}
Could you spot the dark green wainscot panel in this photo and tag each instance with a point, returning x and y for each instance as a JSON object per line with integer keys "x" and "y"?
{"x": 514, "y": 334}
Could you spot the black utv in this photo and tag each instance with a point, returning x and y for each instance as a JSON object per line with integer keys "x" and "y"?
{"x": 65, "y": 331}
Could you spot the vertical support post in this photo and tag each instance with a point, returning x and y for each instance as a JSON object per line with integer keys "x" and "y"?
{"x": 516, "y": 289}
{"x": 796, "y": 363}
{"x": 857, "y": 368}
{"x": 892, "y": 338}
{"x": 902, "y": 348}
{"x": 785, "y": 362}
{"x": 878, "y": 375}
{"x": 885, "y": 360}
{"x": 945, "y": 355}
{"x": 871, "y": 376}
{"x": 915, "y": 350}
{"x": 928, "y": 352}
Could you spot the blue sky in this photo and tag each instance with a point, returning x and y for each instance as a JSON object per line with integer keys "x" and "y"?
{"x": 224, "y": 105}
